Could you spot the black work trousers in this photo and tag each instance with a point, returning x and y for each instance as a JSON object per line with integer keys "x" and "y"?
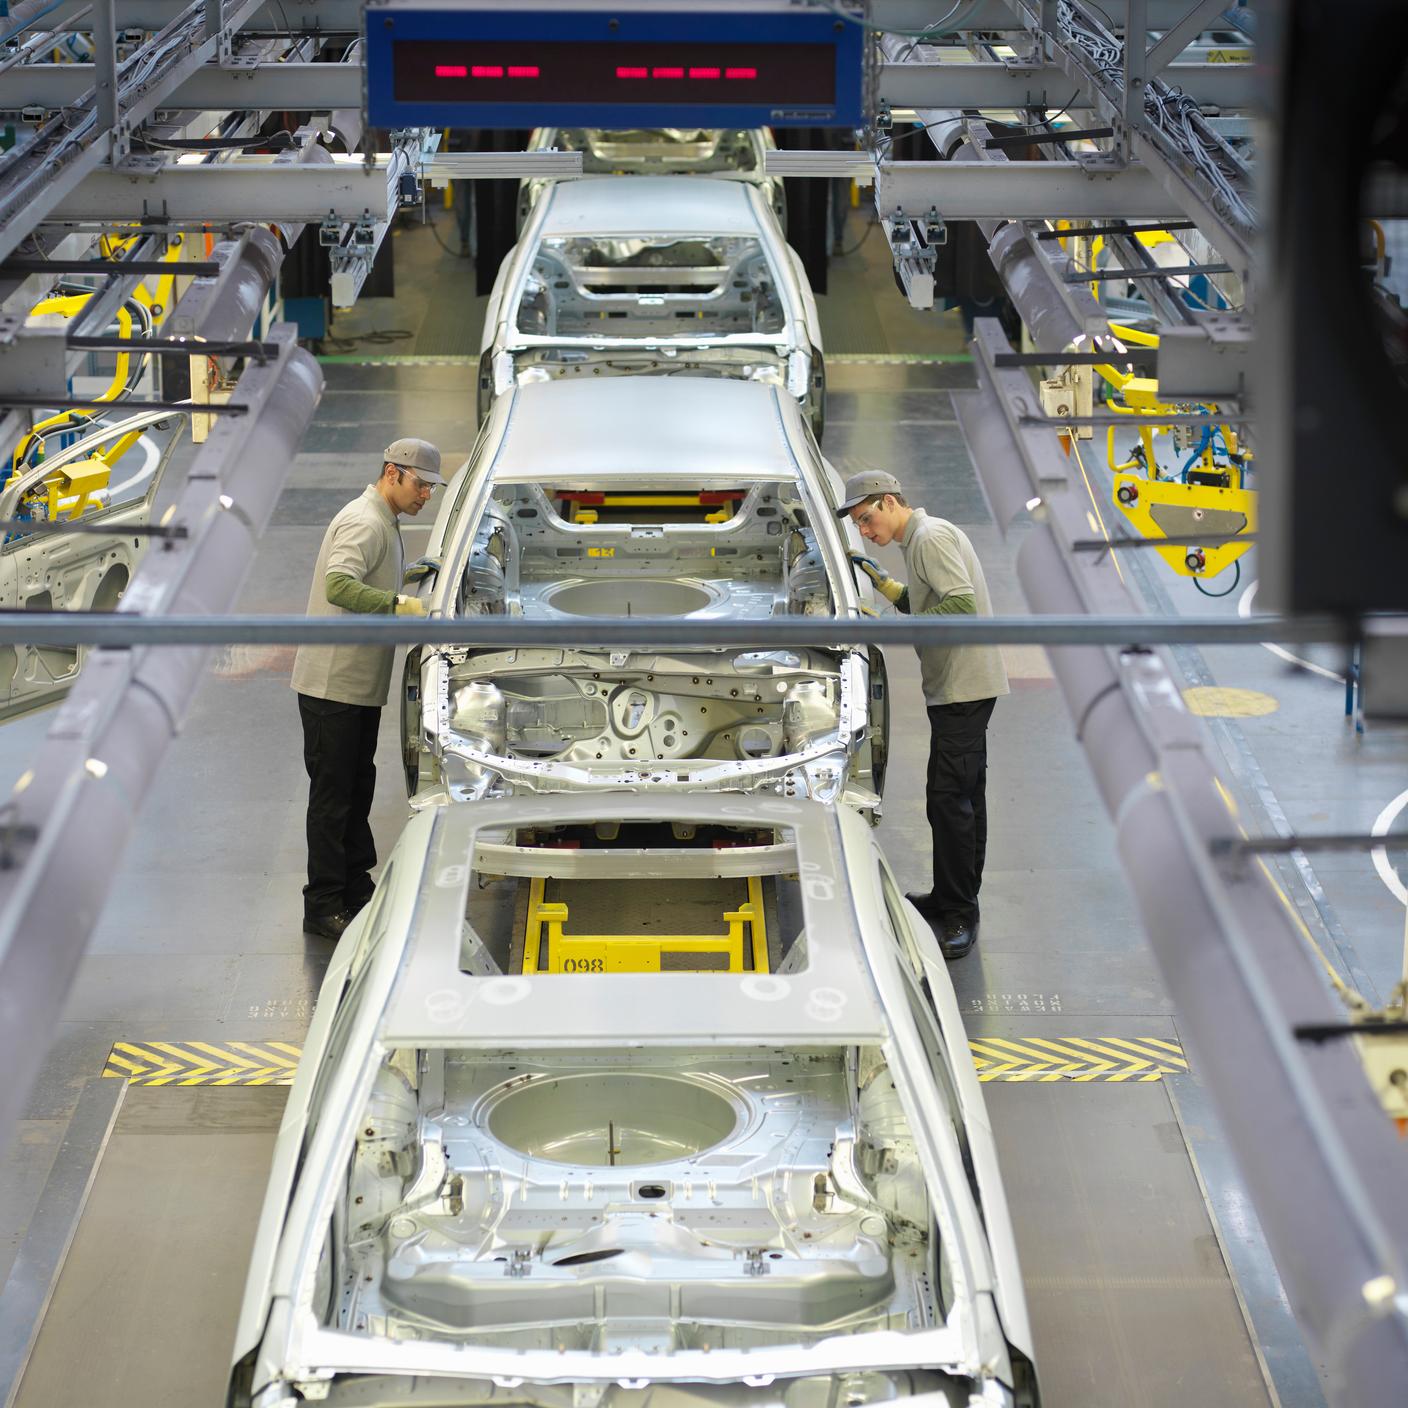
{"x": 339, "y": 749}
{"x": 956, "y": 801}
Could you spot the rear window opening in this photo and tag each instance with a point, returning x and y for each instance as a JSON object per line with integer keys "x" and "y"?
{"x": 722, "y": 284}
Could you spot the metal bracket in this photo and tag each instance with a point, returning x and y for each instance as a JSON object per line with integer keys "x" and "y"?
{"x": 912, "y": 245}
{"x": 855, "y": 166}
{"x": 353, "y": 245}
{"x": 1209, "y": 361}
{"x": 139, "y": 164}
{"x": 32, "y": 360}
{"x": 440, "y": 167}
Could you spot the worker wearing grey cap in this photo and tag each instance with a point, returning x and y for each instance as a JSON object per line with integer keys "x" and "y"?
{"x": 961, "y": 685}
{"x": 342, "y": 688}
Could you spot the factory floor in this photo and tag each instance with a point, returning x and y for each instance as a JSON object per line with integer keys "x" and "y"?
{"x": 1145, "y": 1272}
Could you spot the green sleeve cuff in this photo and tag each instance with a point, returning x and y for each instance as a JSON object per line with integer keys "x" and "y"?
{"x": 952, "y": 606}
{"x": 351, "y": 595}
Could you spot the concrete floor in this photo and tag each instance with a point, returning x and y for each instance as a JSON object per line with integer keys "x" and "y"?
{"x": 1118, "y": 1192}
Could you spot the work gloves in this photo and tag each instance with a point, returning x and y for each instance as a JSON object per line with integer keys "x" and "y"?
{"x": 409, "y": 606}
{"x": 421, "y": 569}
{"x": 891, "y": 588}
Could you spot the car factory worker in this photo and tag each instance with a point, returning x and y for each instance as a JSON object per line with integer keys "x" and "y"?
{"x": 342, "y": 688}
{"x": 961, "y": 685}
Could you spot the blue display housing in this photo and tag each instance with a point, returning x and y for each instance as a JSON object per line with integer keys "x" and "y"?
{"x": 718, "y": 65}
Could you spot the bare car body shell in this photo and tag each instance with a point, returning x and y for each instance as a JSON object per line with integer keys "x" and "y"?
{"x": 806, "y": 722}
{"x": 799, "y": 1198}
{"x": 65, "y": 571}
{"x": 653, "y": 275}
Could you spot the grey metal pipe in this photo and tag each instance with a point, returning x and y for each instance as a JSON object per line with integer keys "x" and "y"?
{"x": 1035, "y": 279}
{"x": 1030, "y": 278}
{"x": 21, "y": 16}
{"x": 92, "y": 771}
{"x": 662, "y": 632}
{"x": 1055, "y": 313}
{"x": 1328, "y": 1241}
{"x": 225, "y": 305}
{"x": 1325, "y": 1219}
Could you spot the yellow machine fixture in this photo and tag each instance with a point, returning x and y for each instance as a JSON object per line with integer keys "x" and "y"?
{"x": 1167, "y": 508}
{"x": 588, "y": 506}
{"x": 1201, "y": 493}
{"x": 741, "y": 948}
{"x": 1201, "y": 489}
{"x": 69, "y": 490}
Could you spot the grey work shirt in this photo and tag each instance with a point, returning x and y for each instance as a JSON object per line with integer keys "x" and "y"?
{"x": 939, "y": 563}
{"x": 363, "y": 541}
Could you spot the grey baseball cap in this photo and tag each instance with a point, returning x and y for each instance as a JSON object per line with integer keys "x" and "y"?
{"x": 419, "y": 455}
{"x": 865, "y": 485}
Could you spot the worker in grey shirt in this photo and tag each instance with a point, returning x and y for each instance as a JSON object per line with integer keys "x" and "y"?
{"x": 342, "y": 688}
{"x": 961, "y": 685}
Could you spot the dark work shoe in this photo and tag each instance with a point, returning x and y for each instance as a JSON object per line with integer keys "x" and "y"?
{"x": 925, "y": 904}
{"x": 327, "y": 926}
{"x": 957, "y": 938}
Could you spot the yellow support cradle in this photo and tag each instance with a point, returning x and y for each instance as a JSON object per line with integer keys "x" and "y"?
{"x": 1215, "y": 502}
{"x": 547, "y": 949}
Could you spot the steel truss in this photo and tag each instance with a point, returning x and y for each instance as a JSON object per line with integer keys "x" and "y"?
{"x": 1126, "y": 92}
{"x": 1146, "y": 177}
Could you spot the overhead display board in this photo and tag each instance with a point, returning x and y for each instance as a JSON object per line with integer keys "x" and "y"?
{"x": 587, "y": 64}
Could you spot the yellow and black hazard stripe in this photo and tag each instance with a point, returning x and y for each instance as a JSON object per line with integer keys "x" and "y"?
{"x": 1076, "y": 1058}
{"x": 203, "y": 1062}
{"x": 1041, "y": 1059}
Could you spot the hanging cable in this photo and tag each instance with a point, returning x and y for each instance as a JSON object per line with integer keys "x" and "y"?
{"x": 218, "y": 144}
{"x": 1236, "y": 577}
{"x": 935, "y": 30}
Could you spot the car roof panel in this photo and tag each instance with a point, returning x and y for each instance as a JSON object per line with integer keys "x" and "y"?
{"x": 699, "y": 429}
{"x": 831, "y": 1001}
{"x": 645, "y": 206}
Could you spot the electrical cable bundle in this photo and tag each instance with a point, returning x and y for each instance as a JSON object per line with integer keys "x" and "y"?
{"x": 59, "y": 139}
{"x": 1173, "y": 114}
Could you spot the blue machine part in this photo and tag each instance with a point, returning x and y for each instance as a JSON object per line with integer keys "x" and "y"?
{"x": 309, "y": 315}
{"x": 762, "y": 64}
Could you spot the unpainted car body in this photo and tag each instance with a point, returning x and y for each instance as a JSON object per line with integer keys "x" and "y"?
{"x": 726, "y": 154}
{"x": 653, "y": 275}
{"x": 774, "y": 1188}
{"x": 65, "y": 571}
{"x": 681, "y": 497}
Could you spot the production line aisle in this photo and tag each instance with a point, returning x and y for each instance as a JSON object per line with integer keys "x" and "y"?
{"x": 1129, "y": 1292}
